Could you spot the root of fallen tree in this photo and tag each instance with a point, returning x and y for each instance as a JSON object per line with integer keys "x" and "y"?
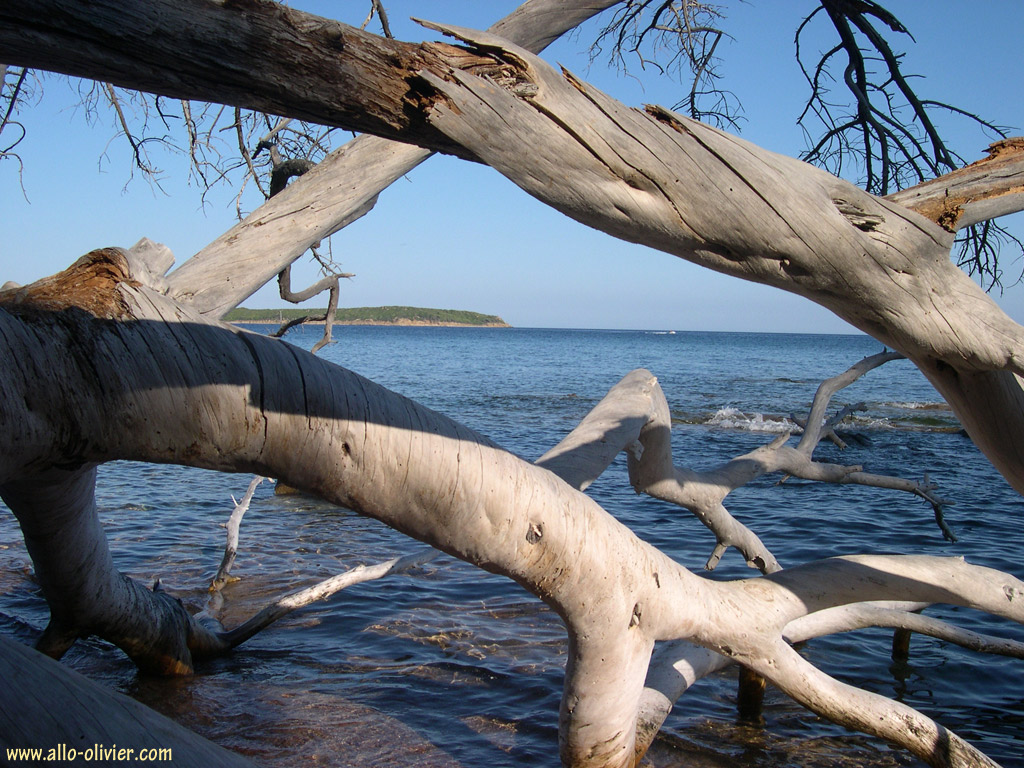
{"x": 126, "y": 373}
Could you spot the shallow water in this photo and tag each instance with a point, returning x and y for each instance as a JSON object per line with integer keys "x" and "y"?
{"x": 449, "y": 666}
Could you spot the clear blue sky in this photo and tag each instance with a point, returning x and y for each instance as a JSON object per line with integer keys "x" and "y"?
{"x": 455, "y": 235}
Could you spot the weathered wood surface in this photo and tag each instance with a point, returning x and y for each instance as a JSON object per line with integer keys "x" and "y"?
{"x": 43, "y": 704}
{"x": 646, "y": 176}
{"x": 254, "y": 53}
{"x": 986, "y": 189}
{"x": 143, "y": 377}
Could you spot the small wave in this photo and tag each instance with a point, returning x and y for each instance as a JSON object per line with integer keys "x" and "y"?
{"x": 917, "y": 406}
{"x": 865, "y": 422}
{"x": 733, "y": 418}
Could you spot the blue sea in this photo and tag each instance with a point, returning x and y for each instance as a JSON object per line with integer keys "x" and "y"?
{"x": 451, "y": 666}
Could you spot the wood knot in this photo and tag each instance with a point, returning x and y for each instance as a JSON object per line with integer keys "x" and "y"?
{"x": 534, "y": 533}
{"x": 857, "y": 215}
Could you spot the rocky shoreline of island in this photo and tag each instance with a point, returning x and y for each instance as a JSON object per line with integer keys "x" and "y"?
{"x": 392, "y": 315}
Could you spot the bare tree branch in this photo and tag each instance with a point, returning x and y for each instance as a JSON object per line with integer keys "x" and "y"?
{"x": 673, "y": 36}
{"x": 233, "y": 525}
{"x": 888, "y": 132}
{"x": 377, "y": 9}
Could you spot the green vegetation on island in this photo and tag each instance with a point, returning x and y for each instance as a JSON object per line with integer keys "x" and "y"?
{"x": 371, "y": 316}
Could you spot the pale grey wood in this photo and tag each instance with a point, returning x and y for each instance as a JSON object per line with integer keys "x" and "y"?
{"x": 848, "y": 618}
{"x": 43, "y": 704}
{"x": 634, "y": 417}
{"x": 322, "y": 591}
{"x": 983, "y": 190}
{"x": 56, "y": 510}
{"x": 650, "y": 176}
{"x": 259, "y": 54}
{"x": 233, "y": 527}
{"x": 816, "y": 423}
{"x": 260, "y": 406}
{"x": 338, "y": 191}
{"x": 610, "y": 427}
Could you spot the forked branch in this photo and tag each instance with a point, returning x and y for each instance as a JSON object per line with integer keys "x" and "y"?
{"x": 634, "y": 417}
{"x": 673, "y": 37}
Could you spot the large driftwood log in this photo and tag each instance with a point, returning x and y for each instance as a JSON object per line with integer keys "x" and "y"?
{"x": 133, "y": 375}
{"x": 44, "y": 705}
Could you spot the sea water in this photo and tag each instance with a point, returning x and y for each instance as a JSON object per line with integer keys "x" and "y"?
{"x": 451, "y": 666}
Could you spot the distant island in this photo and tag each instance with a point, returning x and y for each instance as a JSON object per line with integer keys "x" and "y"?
{"x": 372, "y": 316}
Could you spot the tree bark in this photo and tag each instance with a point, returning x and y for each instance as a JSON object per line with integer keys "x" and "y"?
{"x": 56, "y": 510}
{"x": 986, "y": 189}
{"x": 268, "y": 57}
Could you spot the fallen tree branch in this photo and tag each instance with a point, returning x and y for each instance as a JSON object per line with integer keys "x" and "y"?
{"x": 340, "y": 190}
{"x": 817, "y": 425}
{"x": 291, "y": 415}
{"x": 228, "y": 639}
{"x": 88, "y": 717}
{"x": 634, "y": 417}
{"x": 224, "y": 640}
{"x": 233, "y": 524}
{"x": 848, "y": 618}
{"x": 330, "y": 284}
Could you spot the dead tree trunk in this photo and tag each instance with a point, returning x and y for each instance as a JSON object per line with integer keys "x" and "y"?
{"x": 132, "y": 375}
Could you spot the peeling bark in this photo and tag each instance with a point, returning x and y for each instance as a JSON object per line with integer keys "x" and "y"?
{"x": 986, "y": 189}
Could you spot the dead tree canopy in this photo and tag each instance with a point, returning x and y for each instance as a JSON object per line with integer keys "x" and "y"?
{"x": 648, "y": 176}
